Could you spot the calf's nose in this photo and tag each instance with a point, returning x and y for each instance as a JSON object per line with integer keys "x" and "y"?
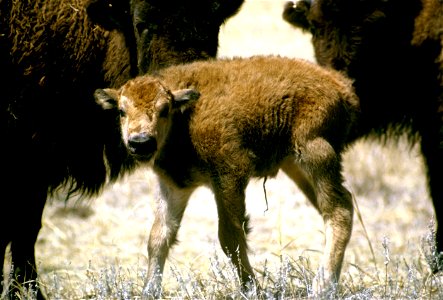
{"x": 142, "y": 144}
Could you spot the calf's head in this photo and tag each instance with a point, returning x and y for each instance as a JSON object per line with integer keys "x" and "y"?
{"x": 145, "y": 108}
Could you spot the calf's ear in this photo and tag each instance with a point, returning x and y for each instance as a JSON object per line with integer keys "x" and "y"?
{"x": 184, "y": 98}
{"x": 106, "y": 98}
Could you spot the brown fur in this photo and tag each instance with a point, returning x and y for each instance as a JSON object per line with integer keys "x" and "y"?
{"x": 253, "y": 117}
{"x": 393, "y": 50}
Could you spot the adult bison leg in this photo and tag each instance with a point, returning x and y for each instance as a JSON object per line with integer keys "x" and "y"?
{"x": 433, "y": 154}
{"x": 27, "y": 194}
{"x": 4, "y": 241}
{"x": 171, "y": 205}
{"x": 229, "y": 190}
{"x": 323, "y": 165}
{"x": 25, "y": 236}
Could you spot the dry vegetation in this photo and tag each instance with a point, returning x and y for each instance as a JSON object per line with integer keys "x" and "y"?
{"x": 96, "y": 248}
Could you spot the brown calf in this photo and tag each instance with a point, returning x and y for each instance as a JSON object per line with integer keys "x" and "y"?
{"x": 219, "y": 123}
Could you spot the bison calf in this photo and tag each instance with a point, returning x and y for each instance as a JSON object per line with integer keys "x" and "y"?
{"x": 219, "y": 123}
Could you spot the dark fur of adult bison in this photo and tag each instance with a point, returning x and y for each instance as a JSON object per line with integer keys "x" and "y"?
{"x": 53, "y": 55}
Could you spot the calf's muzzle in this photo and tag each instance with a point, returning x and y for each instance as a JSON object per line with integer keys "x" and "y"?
{"x": 142, "y": 145}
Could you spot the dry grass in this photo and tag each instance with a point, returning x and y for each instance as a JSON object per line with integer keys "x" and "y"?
{"x": 96, "y": 249}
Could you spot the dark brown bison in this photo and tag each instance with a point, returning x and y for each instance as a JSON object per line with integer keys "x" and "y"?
{"x": 52, "y": 58}
{"x": 393, "y": 51}
{"x": 220, "y": 123}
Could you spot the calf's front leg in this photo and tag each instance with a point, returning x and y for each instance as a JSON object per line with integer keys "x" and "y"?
{"x": 229, "y": 191}
{"x": 171, "y": 205}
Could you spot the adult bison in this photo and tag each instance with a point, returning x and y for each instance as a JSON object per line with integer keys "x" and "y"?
{"x": 52, "y": 58}
{"x": 393, "y": 51}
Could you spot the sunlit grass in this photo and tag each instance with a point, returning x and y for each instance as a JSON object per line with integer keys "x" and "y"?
{"x": 398, "y": 278}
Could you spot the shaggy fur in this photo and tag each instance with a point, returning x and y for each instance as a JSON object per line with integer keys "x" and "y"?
{"x": 253, "y": 117}
{"x": 393, "y": 51}
{"x": 52, "y": 58}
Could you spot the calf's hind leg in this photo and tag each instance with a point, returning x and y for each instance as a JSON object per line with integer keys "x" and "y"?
{"x": 169, "y": 213}
{"x": 334, "y": 202}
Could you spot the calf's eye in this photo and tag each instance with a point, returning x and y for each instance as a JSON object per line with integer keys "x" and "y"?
{"x": 121, "y": 113}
